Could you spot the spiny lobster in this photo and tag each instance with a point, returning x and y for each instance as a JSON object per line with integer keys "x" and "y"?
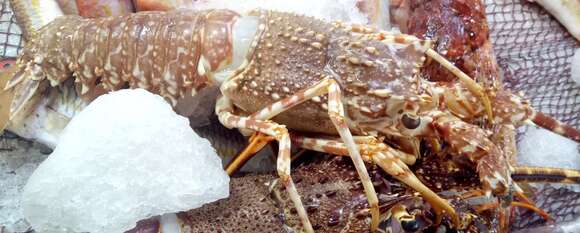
{"x": 274, "y": 65}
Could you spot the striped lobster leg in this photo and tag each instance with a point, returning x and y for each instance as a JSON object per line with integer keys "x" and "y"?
{"x": 336, "y": 113}
{"x": 224, "y": 109}
{"x": 504, "y": 137}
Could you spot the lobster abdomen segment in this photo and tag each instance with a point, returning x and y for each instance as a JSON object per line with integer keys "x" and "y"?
{"x": 157, "y": 51}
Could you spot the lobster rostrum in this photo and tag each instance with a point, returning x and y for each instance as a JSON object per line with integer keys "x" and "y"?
{"x": 274, "y": 70}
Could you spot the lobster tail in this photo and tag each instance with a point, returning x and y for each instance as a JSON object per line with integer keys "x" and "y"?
{"x": 6, "y": 96}
{"x": 18, "y": 94}
{"x": 23, "y": 94}
{"x": 549, "y": 123}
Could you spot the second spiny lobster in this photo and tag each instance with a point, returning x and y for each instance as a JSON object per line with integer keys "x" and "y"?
{"x": 281, "y": 72}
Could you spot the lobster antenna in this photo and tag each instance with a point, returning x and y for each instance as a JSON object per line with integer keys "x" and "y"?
{"x": 556, "y": 126}
{"x": 545, "y": 174}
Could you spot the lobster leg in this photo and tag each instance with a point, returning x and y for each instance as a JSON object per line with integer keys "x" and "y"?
{"x": 388, "y": 159}
{"x": 505, "y": 138}
{"x": 224, "y": 109}
{"x": 335, "y": 147}
{"x": 549, "y": 123}
{"x": 408, "y": 145}
{"x": 257, "y": 142}
{"x": 336, "y": 113}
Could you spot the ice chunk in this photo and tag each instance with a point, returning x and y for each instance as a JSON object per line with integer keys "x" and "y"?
{"x": 126, "y": 157}
{"x": 575, "y": 72}
{"x": 540, "y": 147}
{"x": 18, "y": 159}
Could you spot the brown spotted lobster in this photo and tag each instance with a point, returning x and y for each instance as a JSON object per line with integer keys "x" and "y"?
{"x": 280, "y": 72}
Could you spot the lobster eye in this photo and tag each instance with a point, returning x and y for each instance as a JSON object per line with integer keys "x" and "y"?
{"x": 410, "y": 122}
{"x": 410, "y": 225}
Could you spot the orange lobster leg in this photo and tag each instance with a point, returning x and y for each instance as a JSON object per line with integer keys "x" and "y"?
{"x": 257, "y": 142}
{"x": 224, "y": 109}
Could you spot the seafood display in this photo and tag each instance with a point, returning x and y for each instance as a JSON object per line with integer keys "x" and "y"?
{"x": 418, "y": 105}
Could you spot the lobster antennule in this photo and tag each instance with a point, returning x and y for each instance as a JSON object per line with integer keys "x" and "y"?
{"x": 556, "y": 126}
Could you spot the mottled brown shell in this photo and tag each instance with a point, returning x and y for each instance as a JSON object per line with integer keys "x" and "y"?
{"x": 293, "y": 52}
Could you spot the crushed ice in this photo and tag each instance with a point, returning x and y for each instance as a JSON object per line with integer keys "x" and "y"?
{"x": 126, "y": 157}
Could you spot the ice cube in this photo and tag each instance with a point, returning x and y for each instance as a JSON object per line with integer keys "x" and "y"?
{"x": 540, "y": 147}
{"x": 127, "y": 156}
